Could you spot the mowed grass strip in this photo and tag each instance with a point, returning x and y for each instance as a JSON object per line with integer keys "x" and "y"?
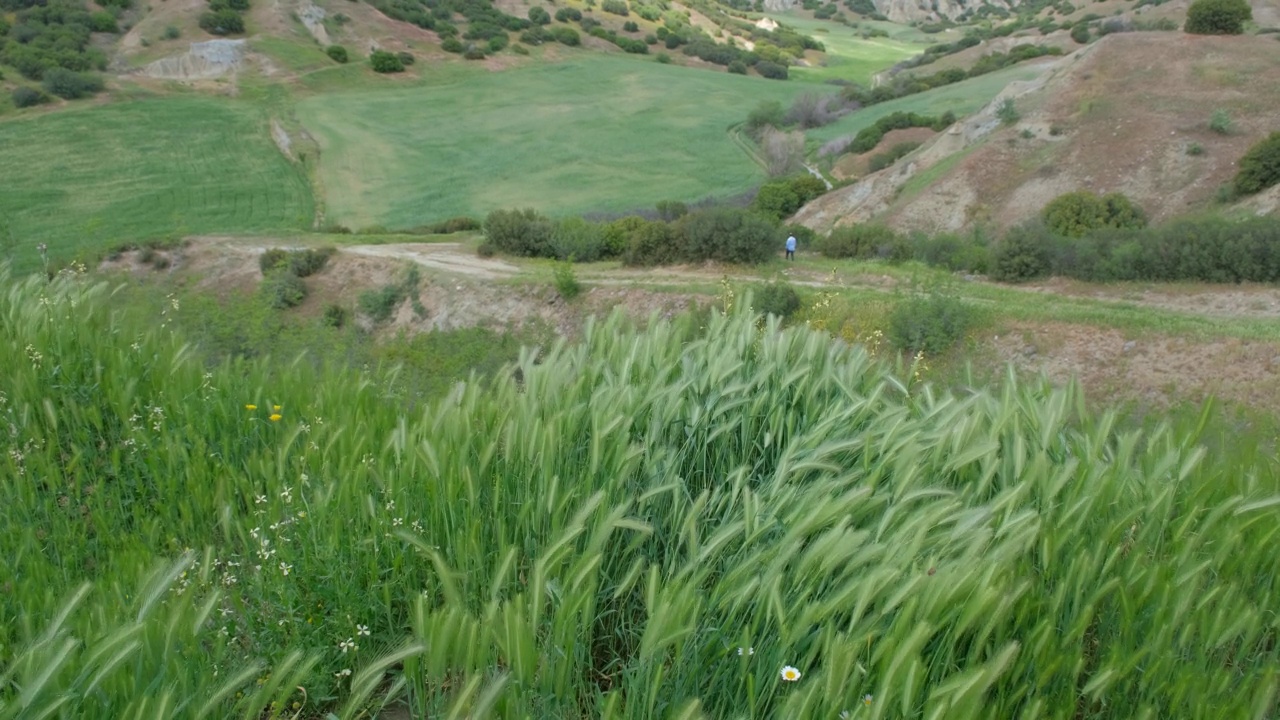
{"x": 849, "y": 56}
{"x": 592, "y": 134}
{"x": 87, "y": 178}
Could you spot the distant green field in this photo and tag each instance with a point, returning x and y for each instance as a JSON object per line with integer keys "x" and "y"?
{"x": 961, "y": 98}
{"x": 596, "y": 133}
{"x": 850, "y": 57}
{"x": 93, "y": 176}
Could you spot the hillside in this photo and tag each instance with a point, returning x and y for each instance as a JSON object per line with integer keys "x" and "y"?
{"x": 1130, "y": 113}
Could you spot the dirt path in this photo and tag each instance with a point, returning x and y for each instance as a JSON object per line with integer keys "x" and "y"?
{"x": 449, "y": 257}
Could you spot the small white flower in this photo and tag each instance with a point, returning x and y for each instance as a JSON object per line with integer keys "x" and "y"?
{"x": 348, "y": 644}
{"x": 746, "y": 651}
{"x": 259, "y": 499}
{"x": 362, "y": 630}
{"x": 866, "y": 699}
{"x": 344, "y": 672}
{"x": 285, "y": 568}
{"x": 790, "y": 674}
{"x": 397, "y": 522}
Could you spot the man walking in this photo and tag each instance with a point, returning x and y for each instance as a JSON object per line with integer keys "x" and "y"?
{"x": 791, "y": 248}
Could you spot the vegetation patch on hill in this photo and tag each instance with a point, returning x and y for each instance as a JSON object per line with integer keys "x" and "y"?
{"x": 570, "y": 137}
{"x": 93, "y": 177}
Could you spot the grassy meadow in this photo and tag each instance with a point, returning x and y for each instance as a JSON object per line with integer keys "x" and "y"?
{"x": 92, "y": 176}
{"x": 714, "y": 517}
{"x": 597, "y": 133}
{"x": 850, "y": 57}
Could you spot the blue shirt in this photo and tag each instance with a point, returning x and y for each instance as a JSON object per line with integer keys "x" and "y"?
{"x": 791, "y": 244}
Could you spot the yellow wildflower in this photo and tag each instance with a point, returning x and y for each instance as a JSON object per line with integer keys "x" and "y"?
{"x": 250, "y": 407}
{"x": 275, "y": 416}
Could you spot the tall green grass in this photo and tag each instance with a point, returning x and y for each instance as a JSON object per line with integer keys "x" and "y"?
{"x": 639, "y": 524}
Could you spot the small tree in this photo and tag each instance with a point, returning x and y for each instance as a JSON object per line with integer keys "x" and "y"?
{"x": 783, "y": 151}
{"x": 384, "y": 62}
{"x": 1260, "y": 167}
{"x": 1217, "y": 17}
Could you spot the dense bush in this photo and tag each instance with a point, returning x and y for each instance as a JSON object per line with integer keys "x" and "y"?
{"x": 858, "y": 241}
{"x": 539, "y": 16}
{"x": 1023, "y": 253}
{"x": 566, "y": 36}
{"x": 70, "y": 85}
{"x": 448, "y": 227}
{"x": 766, "y": 113}
{"x": 1076, "y": 213}
{"x": 103, "y": 21}
{"x": 1217, "y": 17}
{"x": 48, "y": 34}
{"x": 385, "y": 62}
{"x": 452, "y": 45}
{"x": 1259, "y": 167}
{"x": 406, "y": 58}
{"x": 222, "y": 22}
{"x": 930, "y": 325}
{"x": 630, "y": 26}
{"x": 337, "y": 53}
{"x": 1080, "y": 33}
{"x": 782, "y": 198}
{"x": 652, "y": 243}
{"x": 520, "y": 232}
{"x": 617, "y": 7}
{"x": 869, "y": 137}
{"x": 671, "y": 210}
{"x": 27, "y": 97}
{"x": 579, "y": 240}
{"x": 728, "y": 234}
{"x": 283, "y": 290}
{"x": 776, "y": 298}
{"x": 772, "y": 70}
{"x": 568, "y": 14}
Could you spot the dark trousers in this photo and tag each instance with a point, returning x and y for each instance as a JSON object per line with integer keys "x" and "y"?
{"x": 791, "y": 254}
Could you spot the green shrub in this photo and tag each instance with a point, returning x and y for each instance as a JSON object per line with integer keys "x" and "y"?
{"x": 171, "y": 32}
{"x": 539, "y": 16}
{"x": 1076, "y": 213}
{"x": 565, "y": 281}
{"x": 1195, "y": 149}
{"x": 728, "y": 235}
{"x": 576, "y": 239}
{"x": 568, "y": 14}
{"x": 448, "y": 227}
{"x": 103, "y": 21}
{"x": 379, "y": 304}
{"x": 651, "y": 243}
{"x": 1259, "y": 167}
{"x": 776, "y": 298}
{"x": 385, "y": 62}
{"x": 283, "y": 289}
{"x": 772, "y": 70}
{"x": 474, "y": 53}
{"x": 630, "y": 26}
{"x": 1022, "y": 254}
{"x": 566, "y": 36}
{"x": 1217, "y": 17}
{"x": 858, "y": 241}
{"x": 272, "y": 260}
{"x": 1080, "y": 33}
{"x": 497, "y": 44}
{"x": 616, "y": 7}
{"x": 520, "y": 232}
{"x": 337, "y": 53}
{"x": 737, "y": 67}
{"x": 1220, "y": 122}
{"x": 335, "y": 316}
{"x": 930, "y": 325}
{"x": 453, "y": 45}
{"x": 222, "y": 22}
{"x": 1007, "y": 111}
{"x": 405, "y": 58}
{"x": 27, "y": 97}
{"x": 663, "y": 58}
{"x": 70, "y": 85}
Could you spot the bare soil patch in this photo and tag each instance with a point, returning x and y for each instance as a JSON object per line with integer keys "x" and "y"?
{"x": 1155, "y": 370}
{"x": 852, "y": 166}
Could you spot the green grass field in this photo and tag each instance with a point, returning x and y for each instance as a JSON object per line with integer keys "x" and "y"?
{"x": 961, "y": 98}
{"x": 94, "y": 175}
{"x": 596, "y": 133}
{"x": 850, "y": 57}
